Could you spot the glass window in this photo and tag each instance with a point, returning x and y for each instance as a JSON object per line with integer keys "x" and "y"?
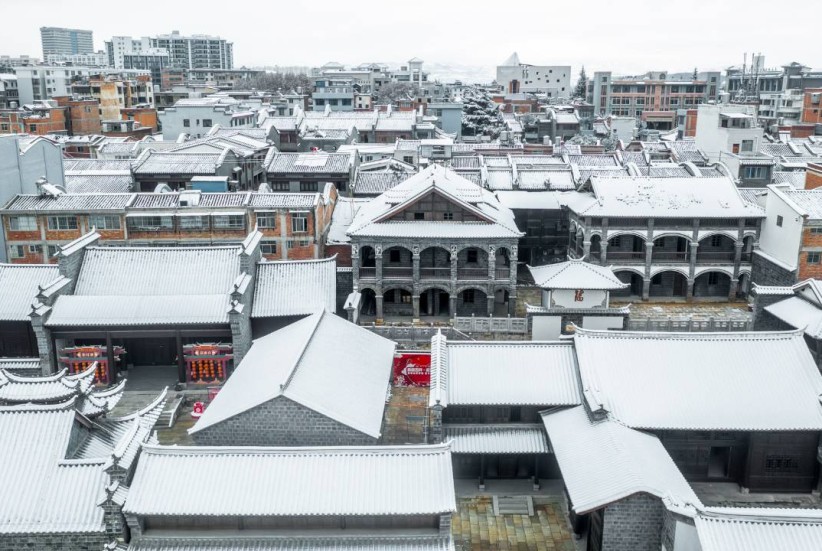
{"x": 266, "y": 219}
{"x": 447, "y": 215}
{"x": 36, "y": 249}
{"x": 104, "y": 222}
{"x": 22, "y": 223}
{"x": 207, "y": 123}
{"x": 229, "y": 222}
{"x": 269, "y": 248}
{"x": 419, "y": 216}
{"x": 52, "y": 250}
{"x": 779, "y": 220}
{"x": 62, "y": 222}
{"x": 150, "y": 223}
{"x": 193, "y": 223}
{"x": 299, "y": 223}
{"x": 814, "y": 257}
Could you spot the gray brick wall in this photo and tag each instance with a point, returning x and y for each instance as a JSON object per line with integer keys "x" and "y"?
{"x": 54, "y": 542}
{"x": 765, "y": 272}
{"x": 633, "y": 524}
{"x": 345, "y": 286}
{"x": 281, "y": 422}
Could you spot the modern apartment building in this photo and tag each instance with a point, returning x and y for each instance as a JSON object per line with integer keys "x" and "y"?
{"x": 196, "y": 51}
{"x": 57, "y": 40}
{"x": 653, "y": 91}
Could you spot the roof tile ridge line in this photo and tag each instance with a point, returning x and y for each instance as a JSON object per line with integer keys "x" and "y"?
{"x": 191, "y": 449}
{"x": 296, "y": 365}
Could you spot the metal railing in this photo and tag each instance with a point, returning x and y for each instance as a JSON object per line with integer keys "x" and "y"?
{"x": 435, "y": 273}
{"x": 366, "y": 273}
{"x": 397, "y": 271}
{"x": 690, "y": 324}
{"x": 472, "y": 273}
{"x": 709, "y": 256}
{"x": 626, "y": 255}
{"x": 669, "y": 256}
{"x": 474, "y": 324}
{"x": 503, "y": 273}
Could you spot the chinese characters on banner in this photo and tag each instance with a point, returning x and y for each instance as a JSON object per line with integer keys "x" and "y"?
{"x": 412, "y": 369}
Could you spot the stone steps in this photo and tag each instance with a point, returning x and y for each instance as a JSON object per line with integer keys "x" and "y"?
{"x": 513, "y": 505}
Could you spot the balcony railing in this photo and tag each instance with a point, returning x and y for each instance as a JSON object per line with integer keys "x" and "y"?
{"x": 368, "y": 273}
{"x": 669, "y": 256}
{"x": 435, "y": 273}
{"x": 719, "y": 256}
{"x": 503, "y": 273}
{"x": 472, "y": 273}
{"x": 626, "y": 255}
{"x": 389, "y": 272}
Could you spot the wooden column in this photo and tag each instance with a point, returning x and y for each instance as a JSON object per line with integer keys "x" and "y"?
{"x": 110, "y": 373}
{"x": 182, "y": 372}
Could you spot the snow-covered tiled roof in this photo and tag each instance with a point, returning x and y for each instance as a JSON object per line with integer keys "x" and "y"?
{"x": 495, "y": 220}
{"x": 496, "y": 439}
{"x": 603, "y": 462}
{"x": 164, "y": 162}
{"x": 665, "y": 198}
{"x": 796, "y": 178}
{"x": 69, "y": 202}
{"x": 503, "y": 373}
{"x": 292, "y": 482}
{"x": 295, "y": 287}
{"x": 799, "y": 313}
{"x": 72, "y": 166}
{"x": 375, "y": 183}
{"x": 758, "y": 381}
{"x": 318, "y": 162}
{"x": 344, "y": 212}
{"x": 326, "y": 541}
{"x": 98, "y": 183}
{"x": 535, "y": 200}
{"x": 756, "y": 529}
{"x": 21, "y": 365}
{"x": 59, "y": 387}
{"x": 19, "y": 285}
{"x": 150, "y": 285}
{"x": 808, "y": 201}
{"x": 55, "y": 469}
{"x": 297, "y": 362}
{"x": 576, "y": 274}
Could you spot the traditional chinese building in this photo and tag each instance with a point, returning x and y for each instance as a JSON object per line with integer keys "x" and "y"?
{"x": 435, "y": 245}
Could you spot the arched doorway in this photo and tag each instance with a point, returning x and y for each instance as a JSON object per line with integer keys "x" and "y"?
{"x": 626, "y": 247}
{"x": 368, "y": 262}
{"x": 669, "y": 284}
{"x": 671, "y": 248}
{"x": 368, "y": 302}
{"x": 435, "y": 302}
{"x": 634, "y": 280}
{"x": 712, "y": 284}
{"x": 716, "y": 248}
{"x": 397, "y": 302}
{"x": 397, "y": 263}
{"x": 595, "y": 253}
{"x": 744, "y": 285}
{"x": 472, "y": 302}
{"x": 472, "y": 263}
{"x": 435, "y": 263}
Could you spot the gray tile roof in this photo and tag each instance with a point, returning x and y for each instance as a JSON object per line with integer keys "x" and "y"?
{"x": 165, "y": 162}
{"x": 758, "y": 381}
{"x": 536, "y": 373}
{"x": 77, "y": 202}
{"x": 140, "y": 286}
{"x": 575, "y": 274}
{"x": 102, "y": 165}
{"x": 809, "y": 201}
{"x": 496, "y": 439}
{"x": 19, "y": 285}
{"x": 320, "y": 163}
{"x": 98, "y": 183}
{"x": 297, "y": 363}
{"x": 284, "y": 200}
{"x": 342, "y": 541}
{"x": 375, "y": 183}
{"x": 295, "y": 287}
{"x": 292, "y": 482}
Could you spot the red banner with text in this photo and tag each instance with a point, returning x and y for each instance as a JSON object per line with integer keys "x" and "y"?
{"x": 412, "y": 369}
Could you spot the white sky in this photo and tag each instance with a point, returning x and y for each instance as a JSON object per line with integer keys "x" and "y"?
{"x": 626, "y": 37}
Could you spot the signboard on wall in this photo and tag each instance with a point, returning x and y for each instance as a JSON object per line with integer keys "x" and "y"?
{"x": 412, "y": 369}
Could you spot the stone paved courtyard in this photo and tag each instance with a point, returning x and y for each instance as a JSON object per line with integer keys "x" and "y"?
{"x": 475, "y": 527}
{"x": 639, "y": 309}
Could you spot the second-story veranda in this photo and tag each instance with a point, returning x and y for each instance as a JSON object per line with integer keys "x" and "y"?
{"x": 669, "y": 238}
{"x": 435, "y": 245}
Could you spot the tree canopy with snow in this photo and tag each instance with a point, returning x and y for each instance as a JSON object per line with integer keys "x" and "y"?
{"x": 581, "y": 89}
{"x": 481, "y": 116}
{"x": 285, "y": 82}
{"x": 390, "y": 92}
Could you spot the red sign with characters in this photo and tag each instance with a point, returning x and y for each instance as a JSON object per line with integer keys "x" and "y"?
{"x": 412, "y": 369}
